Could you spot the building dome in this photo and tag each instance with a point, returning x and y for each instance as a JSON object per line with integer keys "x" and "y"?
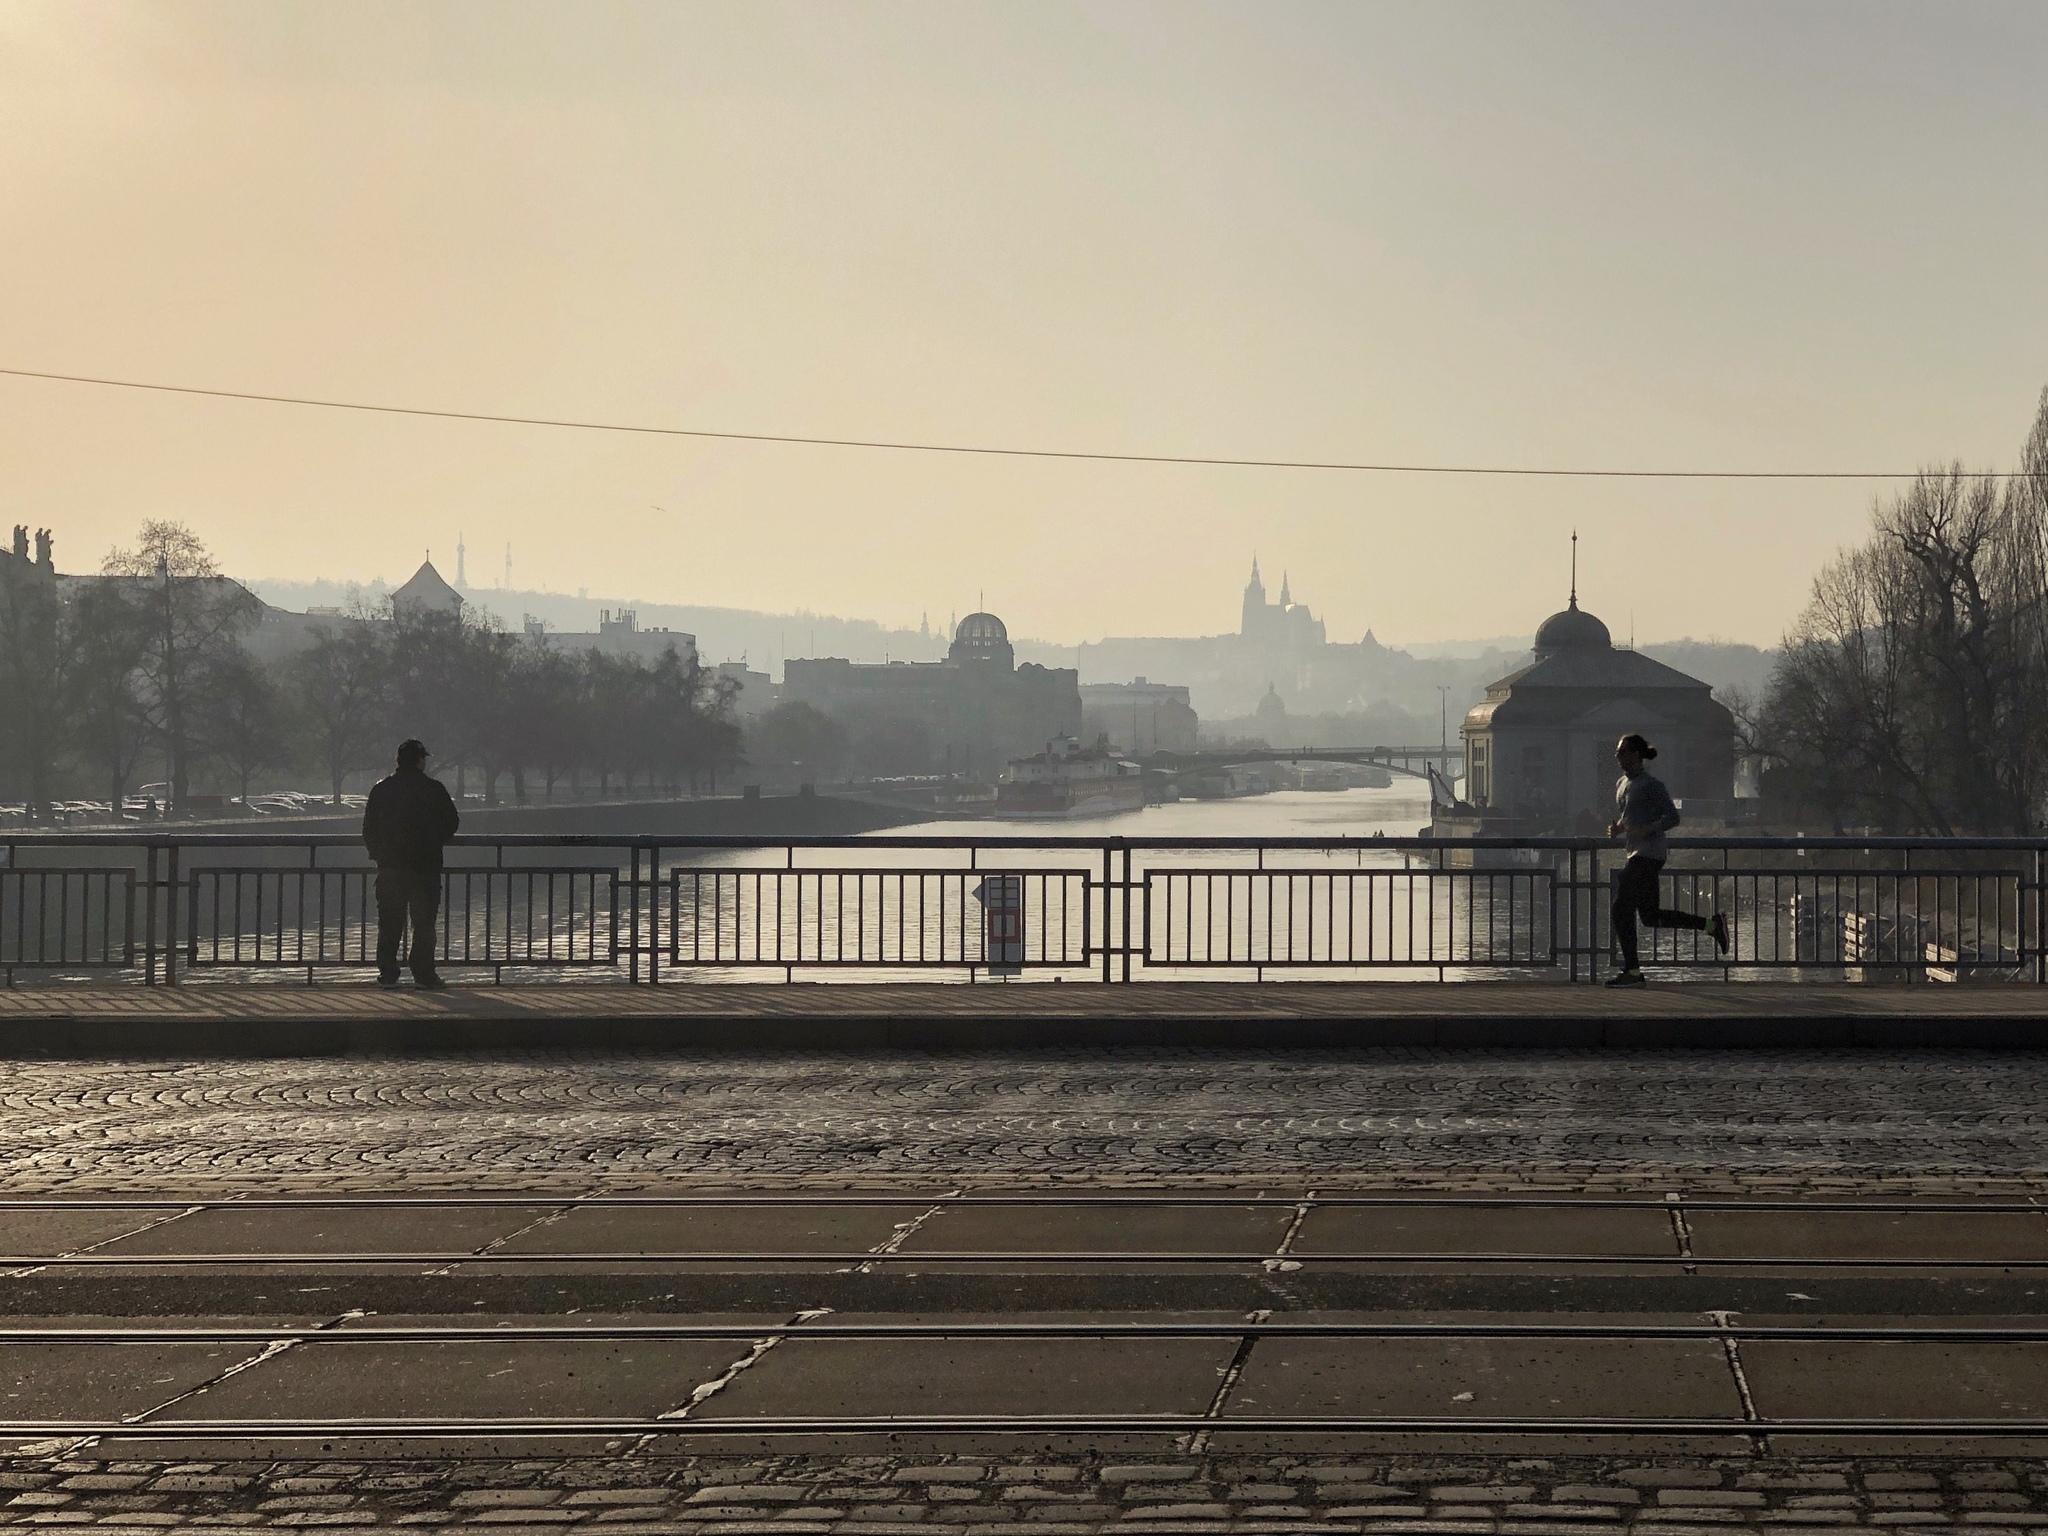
{"x": 982, "y": 637}
{"x": 1574, "y": 628}
{"x": 981, "y": 629}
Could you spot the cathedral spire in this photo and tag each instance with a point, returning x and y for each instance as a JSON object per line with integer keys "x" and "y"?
{"x": 1286, "y": 599}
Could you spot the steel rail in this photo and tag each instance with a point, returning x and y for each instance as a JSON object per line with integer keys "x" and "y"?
{"x": 1056, "y": 1201}
{"x": 1001, "y": 1424}
{"x": 905, "y": 1256}
{"x": 483, "y": 840}
{"x": 389, "y": 1333}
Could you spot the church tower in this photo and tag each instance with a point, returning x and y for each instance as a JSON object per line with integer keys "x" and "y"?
{"x": 1253, "y": 623}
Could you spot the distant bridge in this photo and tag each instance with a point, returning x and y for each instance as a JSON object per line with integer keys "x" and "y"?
{"x": 1414, "y": 761}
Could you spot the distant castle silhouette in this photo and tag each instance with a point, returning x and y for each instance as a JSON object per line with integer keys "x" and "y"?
{"x": 1284, "y": 625}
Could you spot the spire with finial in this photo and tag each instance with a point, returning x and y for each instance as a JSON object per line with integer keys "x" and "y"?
{"x": 1286, "y": 597}
{"x": 1254, "y": 611}
{"x": 1575, "y": 568}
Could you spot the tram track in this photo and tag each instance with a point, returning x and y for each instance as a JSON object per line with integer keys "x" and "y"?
{"x": 1676, "y": 1237}
{"x": 498, "y": 1333}
{"x": 1502, "y": 1319}
{"x": 998, "y": 1258}
{"x": 769, "y": 1199}
{"x": 897, "y": 1425}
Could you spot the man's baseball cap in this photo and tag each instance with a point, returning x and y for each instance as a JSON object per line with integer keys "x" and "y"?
{"x": 411, "y": 750}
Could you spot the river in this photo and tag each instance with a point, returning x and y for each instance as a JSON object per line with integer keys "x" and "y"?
{"x": 1400, "y": 810}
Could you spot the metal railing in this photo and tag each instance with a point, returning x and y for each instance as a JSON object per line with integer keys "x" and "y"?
{"x": 159, "y": 908}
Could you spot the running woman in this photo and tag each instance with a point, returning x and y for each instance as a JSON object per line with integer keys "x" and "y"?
{"x": 1644, "y": 813}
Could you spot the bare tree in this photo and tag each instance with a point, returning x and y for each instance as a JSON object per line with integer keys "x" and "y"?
{"x": 1913, "y": 692}
{"x": 194, "y": 619}
{"x": 106, "y": 641}
{"x": 343, "y": 682}
{"x": 243, "y": 723}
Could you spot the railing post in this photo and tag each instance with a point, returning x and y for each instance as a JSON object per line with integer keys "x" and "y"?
{"x": 1581, "y": 967}
{"x": 171, "y": 917}
{"x": 1108, "y": 916}
{"x": 1571, "y": 922}
{"x": 633, "y": 914}
{"x": 148, "y": 916}
{"x": 1595, "y": 948}
{"x": 2040, "y": 916}
{"x": 654, "y": 915}
{"x": 1127, "y": 912}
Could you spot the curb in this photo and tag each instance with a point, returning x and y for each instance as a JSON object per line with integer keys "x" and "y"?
{"x": 28, "y": 1036}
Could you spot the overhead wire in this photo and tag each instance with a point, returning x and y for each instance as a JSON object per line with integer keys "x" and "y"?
{"x": 982, "y": 449}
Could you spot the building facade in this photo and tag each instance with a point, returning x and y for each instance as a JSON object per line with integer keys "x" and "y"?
{"x": 618, "y": 634}
{"x": 1139, "y": 717}
{"x": 1540, "y": 746}
{"x": 979, "y": 707}
{"x": 753, "y": 692}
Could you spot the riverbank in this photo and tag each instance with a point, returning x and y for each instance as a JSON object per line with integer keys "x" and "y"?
{"x": 723, "y": 816}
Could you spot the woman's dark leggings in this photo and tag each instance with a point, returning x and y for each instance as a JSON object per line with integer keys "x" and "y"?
{"x": 1635, "y": 895}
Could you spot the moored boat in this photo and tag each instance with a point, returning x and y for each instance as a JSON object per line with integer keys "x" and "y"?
{"x": 1069, "y": 780}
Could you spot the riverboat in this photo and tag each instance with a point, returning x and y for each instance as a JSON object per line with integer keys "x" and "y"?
{"x": 1068, "y": 780}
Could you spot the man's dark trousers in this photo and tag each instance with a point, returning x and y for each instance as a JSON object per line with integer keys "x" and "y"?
{"x": 403, "y": 894}
{"x": 1635, "y": 895}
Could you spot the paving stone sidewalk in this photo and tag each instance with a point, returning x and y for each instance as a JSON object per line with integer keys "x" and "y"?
{"x": 585, "y": 1119}
{"x": 1043, "y": 1496}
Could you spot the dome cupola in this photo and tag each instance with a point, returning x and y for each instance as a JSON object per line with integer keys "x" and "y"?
{"x": 982, "y": 637}
{"x": 1572, "y": 629}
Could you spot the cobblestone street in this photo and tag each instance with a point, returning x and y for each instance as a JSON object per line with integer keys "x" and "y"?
{"x": 1047, "y": 1495}
{"x": 592, "y": 1121}
{"x": 620, "y": 1119}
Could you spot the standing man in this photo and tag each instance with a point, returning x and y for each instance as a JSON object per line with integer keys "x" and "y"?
{"x": 1644, "y": 813}
{"x": 408, "y": 819}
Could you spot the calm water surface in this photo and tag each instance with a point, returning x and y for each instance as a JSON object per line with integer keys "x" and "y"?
{"x": 1400, "y": 810}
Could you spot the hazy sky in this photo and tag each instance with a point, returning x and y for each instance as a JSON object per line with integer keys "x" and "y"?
{"x": 1723, "y": 235}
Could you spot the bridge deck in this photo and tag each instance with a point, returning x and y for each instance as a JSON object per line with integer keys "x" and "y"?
{"x": 255, "y": 1017}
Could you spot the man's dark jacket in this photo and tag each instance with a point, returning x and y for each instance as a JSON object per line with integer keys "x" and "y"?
{"x": 408, "y": 818}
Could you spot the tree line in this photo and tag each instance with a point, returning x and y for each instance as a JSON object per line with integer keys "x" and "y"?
{"x": 1912, "y": 693}
{"x": 148, "y": 667}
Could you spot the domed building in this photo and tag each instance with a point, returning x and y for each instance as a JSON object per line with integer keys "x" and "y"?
{"x": 1272, "y": 712}
{"x": 973, "y": 712}
{"x": 1539, "y": 749}
{"x": 982, "y": 640}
